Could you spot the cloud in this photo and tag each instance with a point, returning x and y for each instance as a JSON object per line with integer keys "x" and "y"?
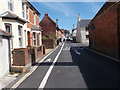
{"x": 60, "y": 7}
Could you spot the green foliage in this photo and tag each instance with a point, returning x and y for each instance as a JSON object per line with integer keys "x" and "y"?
{"x": 51, "y": 35}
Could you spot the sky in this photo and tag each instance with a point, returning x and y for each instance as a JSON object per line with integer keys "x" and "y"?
{"x": 67, "y": 12}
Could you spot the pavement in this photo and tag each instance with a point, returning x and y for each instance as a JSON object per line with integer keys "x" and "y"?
{"x": 8, "y": 78}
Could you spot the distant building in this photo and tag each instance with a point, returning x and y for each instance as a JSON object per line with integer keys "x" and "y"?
{"x": 105, "y": 30}
{"x": 82, "y": 35}
{"x": 74, "y": 32}
{"x": 50, "y": 29}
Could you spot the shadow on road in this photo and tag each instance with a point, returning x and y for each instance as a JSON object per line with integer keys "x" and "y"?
{"x": 97, "y": 71}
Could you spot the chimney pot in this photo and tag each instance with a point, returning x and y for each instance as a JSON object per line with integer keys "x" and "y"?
{"x": 46, "y": 14}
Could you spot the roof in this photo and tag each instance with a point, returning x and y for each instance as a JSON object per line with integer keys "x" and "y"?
{"x": 84, "y": 22}
{"x": 10, "y": 15}
{"x": 34, "y": 27}
{"x": 4, "y": 33}
{"x": 46, "y": 16}
{"x": 30, "y": 5}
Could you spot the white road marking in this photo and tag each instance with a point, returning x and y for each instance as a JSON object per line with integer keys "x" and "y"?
{"x": 44, "y": 81}
{"x": 31, "y": 71}
{"x": 77, "y": 52}
{"x": 66, "y": 48}
{"x": 48, "y": 60}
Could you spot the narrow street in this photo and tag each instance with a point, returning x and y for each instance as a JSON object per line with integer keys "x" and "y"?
{"x": 74, "y": 67}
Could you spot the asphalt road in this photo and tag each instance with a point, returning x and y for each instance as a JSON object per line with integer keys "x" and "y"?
{"x": 75, "y": 67}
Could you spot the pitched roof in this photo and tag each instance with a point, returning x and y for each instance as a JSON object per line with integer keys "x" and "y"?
{"x": 34, "y": 27}
{"x": 33, "y": 8}
{"x": 10, "y": 15}
{"x": 4, "y": 33}
{"x": 46, "y": 16}
{"x": 84, "y": 22}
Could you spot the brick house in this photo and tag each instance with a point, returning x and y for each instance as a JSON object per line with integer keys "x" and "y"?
{"x": 50, "y": 29}
{"x": 34, "y": 30}
{"x": 104, "y": 30}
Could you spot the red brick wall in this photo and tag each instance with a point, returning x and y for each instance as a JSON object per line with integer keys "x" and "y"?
{"x": 31, "y": 22}
{"x": 21, "y": 57}
{"x": 49, "y": 43}
{"x": 104, "y": 37}
{"x": 47, "y": 26}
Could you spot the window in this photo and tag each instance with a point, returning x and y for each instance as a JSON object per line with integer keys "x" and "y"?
{"x": 34, "y": 38}
{"x": 8, "y": 28}
{"x": 20, "y": 35}
{"x": 23, "y": 10}
{"x": 87, "y": 36}
{"x": 27, "y": 13}
{"x": 86, "y": 28}
{"x": 10, "y": 5}
{"x": 34, "y": 19}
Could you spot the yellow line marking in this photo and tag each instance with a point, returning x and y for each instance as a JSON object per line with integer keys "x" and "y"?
{"x": 30, "y": 72}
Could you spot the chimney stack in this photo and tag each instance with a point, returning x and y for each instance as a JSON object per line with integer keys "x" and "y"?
{"x": 46, "y": 14}
{"x": 79, "y": 17}
{"x": 57, "y": 22}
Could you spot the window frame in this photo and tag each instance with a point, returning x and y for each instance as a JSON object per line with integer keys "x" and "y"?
{"x": 20, "y": 35}
{"x": 10, "y": 5}
{"x": 23, "y": 9}
{"x": 34, "y": 39}
{"x": 10, "y": 25}
{"x": 27, "y": 13}
{"x": 34, "y": 18}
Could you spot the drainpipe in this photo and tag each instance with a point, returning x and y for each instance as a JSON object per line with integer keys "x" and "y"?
{"x": 10, "y": 66}
{"x": 118, "y": 20}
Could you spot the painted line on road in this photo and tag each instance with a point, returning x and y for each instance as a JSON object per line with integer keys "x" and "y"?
{"x": 31, "y": 71}
{"x": 45, "y": 79}
{"x": 48, "y": 60}
{"x": 103, "y": 55}
{"x": 77, "y": 52}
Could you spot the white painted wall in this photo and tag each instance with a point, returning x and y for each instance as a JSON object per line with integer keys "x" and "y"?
{"x": 14, "y": 32}
{"x": 81, "y": 35}
{"x": 4, "y": 58}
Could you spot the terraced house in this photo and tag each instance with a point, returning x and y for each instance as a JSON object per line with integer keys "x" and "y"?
{"x": 21, "y": 20}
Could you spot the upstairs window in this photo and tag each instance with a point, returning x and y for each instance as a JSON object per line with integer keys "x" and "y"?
{"x": 8, "y": 27}
{"x": 34, "y": 18}
{"x": 27, "y": 13}
{"x": 10, "y": 5}
{"x": 20, "y": 35}
{"x": 23, "y": 10}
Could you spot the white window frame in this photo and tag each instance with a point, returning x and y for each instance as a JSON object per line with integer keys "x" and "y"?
{"x": 27, "y": 13}
{"x": 20, "y": 35}
{"x": 34, "y": 39}
{"x": 10, "y": 5}
{"x": 23, "y": 9}
{"x": 8, "y": 24}
{"x": 34, "y": 19}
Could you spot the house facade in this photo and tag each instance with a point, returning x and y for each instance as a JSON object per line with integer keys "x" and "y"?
{"x": 82, "y": 31}
{"x": 104, "y": 30}
{"x": 21, "y": 20}
{"x": 50, "y": 29}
